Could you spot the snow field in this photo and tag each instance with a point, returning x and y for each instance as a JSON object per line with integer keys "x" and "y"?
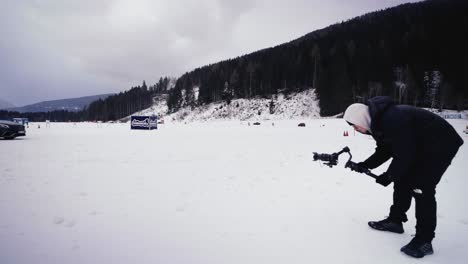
{"x": 216, "y": 192}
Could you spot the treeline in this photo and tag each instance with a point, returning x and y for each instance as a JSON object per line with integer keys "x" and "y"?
{"x": 395, "y": 52}
{"x": 56, "y": 116}
{"x": 120, "y": 105}
{"x": 112, "y": 108}
{"x": 126, "y": 103}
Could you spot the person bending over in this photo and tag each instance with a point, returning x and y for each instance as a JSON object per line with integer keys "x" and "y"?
{"x": 422, "y": 146}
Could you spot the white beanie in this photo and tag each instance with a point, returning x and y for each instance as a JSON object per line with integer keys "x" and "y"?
{"x": 358, "y": 114}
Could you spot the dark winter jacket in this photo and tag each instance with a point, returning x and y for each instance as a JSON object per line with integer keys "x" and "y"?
{"x": 407, "y": 134}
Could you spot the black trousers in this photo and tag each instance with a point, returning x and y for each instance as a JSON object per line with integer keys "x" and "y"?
{"x": 421, "y": 184}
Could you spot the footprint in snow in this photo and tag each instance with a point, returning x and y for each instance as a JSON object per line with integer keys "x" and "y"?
{"x": 61, "y": 220}
{"x": 75, "y": 247}
{"x": 58, "y": 220}
{"x": 94, "y": 213}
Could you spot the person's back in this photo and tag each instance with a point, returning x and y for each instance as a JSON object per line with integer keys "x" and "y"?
{"x": 432, "y": 124}
{"x": 430, "y": 130}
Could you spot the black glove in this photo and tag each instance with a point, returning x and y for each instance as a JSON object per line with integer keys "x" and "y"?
{"x": 361, "y": 167}
{"x": 385, "y": 179}
{"x": 358, "y": 167}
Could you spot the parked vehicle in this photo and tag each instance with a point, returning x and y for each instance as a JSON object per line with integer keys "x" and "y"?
{"x": 10, "y": 130}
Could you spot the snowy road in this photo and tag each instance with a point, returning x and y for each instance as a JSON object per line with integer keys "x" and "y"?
{"x": 220, "y": 192}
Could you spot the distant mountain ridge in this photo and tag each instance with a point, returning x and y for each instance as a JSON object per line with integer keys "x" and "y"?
{"x": 5, "y": 104}
{"x": 70, "y": 104}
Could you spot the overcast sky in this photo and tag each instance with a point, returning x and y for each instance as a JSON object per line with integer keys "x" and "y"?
{"x": 55, "y": 49}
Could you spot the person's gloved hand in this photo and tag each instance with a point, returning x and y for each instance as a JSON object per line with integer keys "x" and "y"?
{"x": 361, "y": 167}
{"x": 385, "y": 179}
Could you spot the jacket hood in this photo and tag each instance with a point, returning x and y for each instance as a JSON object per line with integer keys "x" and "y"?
{"x": 358, "y": 114}
{"x": 378, "y": 105}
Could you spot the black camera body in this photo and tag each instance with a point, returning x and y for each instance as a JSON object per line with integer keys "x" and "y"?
{"x": 329, "y": 159}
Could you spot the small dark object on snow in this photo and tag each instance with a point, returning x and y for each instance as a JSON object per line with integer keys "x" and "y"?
{"x": 301, "y": 125}
{"x": 256, "y": 123}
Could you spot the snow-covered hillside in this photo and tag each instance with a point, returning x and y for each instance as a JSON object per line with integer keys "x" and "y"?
{"x": 281, "y": 107}
{"x": 303, "y": 105}
{"x": 159, "y": 108}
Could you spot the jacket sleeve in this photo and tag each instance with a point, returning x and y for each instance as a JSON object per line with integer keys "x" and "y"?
{"x": 402, "y": 142}
{"x": 380, "y": 156}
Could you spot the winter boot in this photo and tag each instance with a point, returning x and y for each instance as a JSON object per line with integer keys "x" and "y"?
{"x": 418, "y": 248}
{"x": 389, "y": 225}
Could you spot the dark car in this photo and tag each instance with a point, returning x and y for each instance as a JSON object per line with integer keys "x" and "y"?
{"x": 10, "y": 130}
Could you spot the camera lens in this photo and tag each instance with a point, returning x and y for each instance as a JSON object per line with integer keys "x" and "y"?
{"x": 315, "y": 156}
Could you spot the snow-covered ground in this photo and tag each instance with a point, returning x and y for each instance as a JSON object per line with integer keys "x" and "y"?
{"x": 217, "y": 192}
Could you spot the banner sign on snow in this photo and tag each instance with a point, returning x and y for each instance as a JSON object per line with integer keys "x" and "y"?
{"x": 451, "y": 115}
{"x": 144, "y": 122}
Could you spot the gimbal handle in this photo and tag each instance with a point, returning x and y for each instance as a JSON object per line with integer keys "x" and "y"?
{"x": 352, "y": 165}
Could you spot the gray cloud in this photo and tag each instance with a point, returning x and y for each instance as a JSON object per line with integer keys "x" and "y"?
{"x": 53, "y": 49}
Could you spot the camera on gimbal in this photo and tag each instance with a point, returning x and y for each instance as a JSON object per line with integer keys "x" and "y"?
{"x": 331, "y": 160}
